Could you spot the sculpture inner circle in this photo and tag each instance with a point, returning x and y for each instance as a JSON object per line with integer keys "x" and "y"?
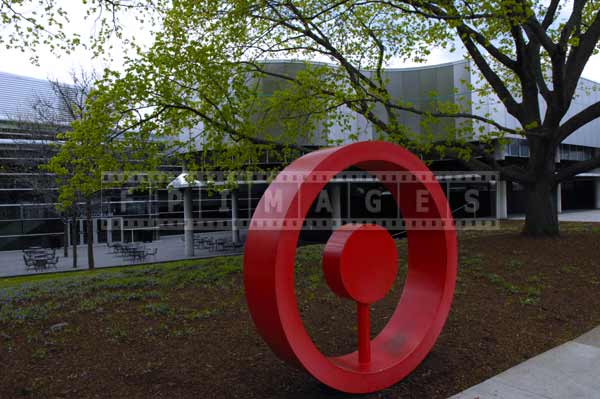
{"x": 360, "y": 262}
{"x": 426, "y": 298}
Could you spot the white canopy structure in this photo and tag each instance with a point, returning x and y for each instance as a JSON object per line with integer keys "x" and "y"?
{"x": 183, "y": 181}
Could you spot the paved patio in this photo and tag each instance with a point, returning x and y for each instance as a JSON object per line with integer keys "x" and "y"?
{"x": 169, "y": 248}
{"x": 580, "y": 216}
{"x": 571, "y": 370}
{"x": 588, "y": 215}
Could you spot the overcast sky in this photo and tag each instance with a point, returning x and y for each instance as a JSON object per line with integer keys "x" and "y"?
{"x": 58, "y": 67}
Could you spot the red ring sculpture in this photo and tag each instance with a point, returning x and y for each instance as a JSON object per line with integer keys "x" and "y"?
{"x": 429, "y": 287}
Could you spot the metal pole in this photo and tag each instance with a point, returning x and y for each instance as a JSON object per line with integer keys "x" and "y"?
{"x": 235, "y": 233}
{"x": 81, "y": 231}
{"x": 109, "y": 223}
{"x": 501, "y": 206}
{"x": 188, "y": 218}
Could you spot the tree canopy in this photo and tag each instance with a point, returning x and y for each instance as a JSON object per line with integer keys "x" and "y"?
{"x": 208, "y": 61}
{"x": 209, "y": 67}
{"x": 90, "y": 149}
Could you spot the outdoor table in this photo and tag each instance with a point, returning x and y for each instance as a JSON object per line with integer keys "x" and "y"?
{"x": 40, "y": 262}
{"x": 34, "y": 250}
{"x": 136, "y": 252}
{"x": 219, "y": 242}
{"x": 38, "y": 258}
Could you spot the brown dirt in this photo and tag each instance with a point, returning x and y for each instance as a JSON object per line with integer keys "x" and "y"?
{"x": 515, "y": 298}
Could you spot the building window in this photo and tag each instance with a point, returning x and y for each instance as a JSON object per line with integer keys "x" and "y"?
{"x": 570, "y": 152}
{"x": 517, "y": 148}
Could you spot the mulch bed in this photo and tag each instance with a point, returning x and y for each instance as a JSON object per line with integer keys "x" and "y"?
{"x": 515, "y": 298}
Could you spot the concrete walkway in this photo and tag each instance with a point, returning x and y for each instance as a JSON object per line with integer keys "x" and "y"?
{"x": 169, "y": 248}
{"x": 569, "y": 371}
{"x": 580, "y": 216}
{"x": 591, "y": 215}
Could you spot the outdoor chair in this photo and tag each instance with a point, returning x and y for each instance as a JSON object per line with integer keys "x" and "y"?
{"x": 29, "y": 264}
{"x": 52, "y": 262}
{"x": 219, "y": 244}
{"x": 199, "y": 242}
{"x": 209, "y": 243}
{"x": 118, "y": 249}
{"x": 229, "y": 244}
{"x": 111, "y": 248}
{"x": 151, "y": 252}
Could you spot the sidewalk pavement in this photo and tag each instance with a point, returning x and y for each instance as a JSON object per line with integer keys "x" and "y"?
{"x": 589, "y": 215}
{"x": 569, "y": 371}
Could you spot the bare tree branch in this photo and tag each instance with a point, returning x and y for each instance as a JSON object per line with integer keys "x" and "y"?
{"x": 550, "y": 14}
{"x": 577, "y": 121}
{"x": 575, "y": 169}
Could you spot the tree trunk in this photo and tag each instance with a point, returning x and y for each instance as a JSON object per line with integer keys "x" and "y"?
{"x": 541, "y": 218}
{"x": 74, "y": 238}
{"x": 90, "y": 235}
{"x": 66, "y": 239}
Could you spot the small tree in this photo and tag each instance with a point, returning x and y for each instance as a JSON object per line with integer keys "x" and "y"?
{"x": 91, "y": 148}
{"x": 55, "y": 113}
{"x": 78, "y": 176}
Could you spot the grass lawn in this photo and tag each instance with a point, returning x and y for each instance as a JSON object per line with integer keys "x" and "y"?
{"x": 182, "y": 330}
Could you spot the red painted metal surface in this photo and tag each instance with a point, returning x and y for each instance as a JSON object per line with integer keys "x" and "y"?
{"x": 364, "y": 334}
{"x": 360, "y": 262}
{"x": 427, "y": 295}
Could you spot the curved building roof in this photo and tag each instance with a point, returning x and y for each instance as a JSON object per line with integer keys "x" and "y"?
{"x": 20, "y": 94}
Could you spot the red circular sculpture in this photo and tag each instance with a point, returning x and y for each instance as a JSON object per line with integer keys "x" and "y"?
{"x": 427, "y": 295}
